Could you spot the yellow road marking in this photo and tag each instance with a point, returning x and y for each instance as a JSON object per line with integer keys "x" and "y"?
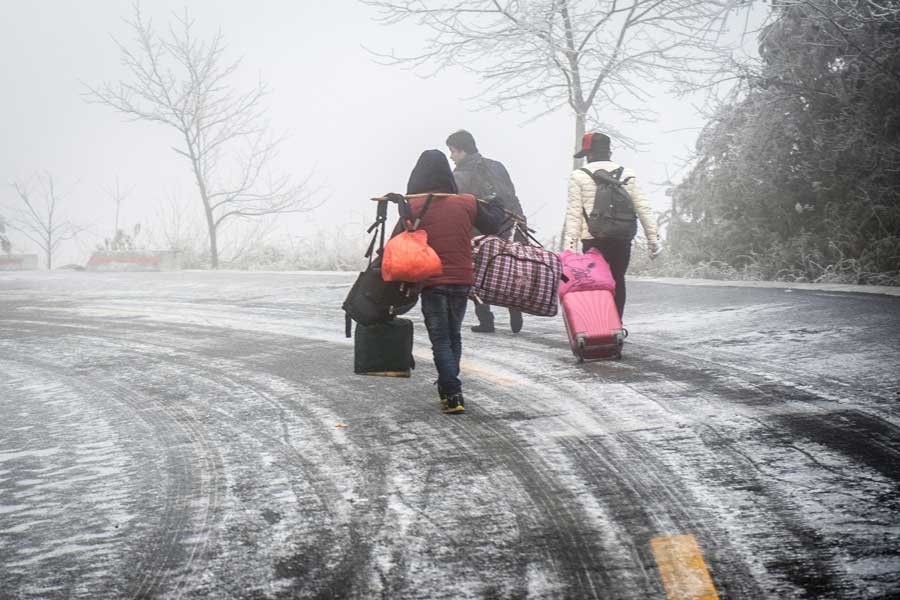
{"x": 470, "y": 368}
{"x": 683, "y": 570}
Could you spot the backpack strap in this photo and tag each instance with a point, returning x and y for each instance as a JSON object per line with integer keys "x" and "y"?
{"x": 421, "y": 216}
{"x": 404, "y": 209}
{"x": 617, "y": 175}
{"x": 378, "y": 227}
{"x": 594, "y": 179}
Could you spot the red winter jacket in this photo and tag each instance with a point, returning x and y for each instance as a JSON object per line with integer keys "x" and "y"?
{"x": 448, "y": 223}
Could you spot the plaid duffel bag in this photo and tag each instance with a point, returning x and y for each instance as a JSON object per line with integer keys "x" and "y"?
{"x": 515, "y": 275}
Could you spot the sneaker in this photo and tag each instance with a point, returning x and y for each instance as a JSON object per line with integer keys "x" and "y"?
{"x": 515, "y": 320}
{"x": 483, "y": 328}
{"x": 453, "y": 405}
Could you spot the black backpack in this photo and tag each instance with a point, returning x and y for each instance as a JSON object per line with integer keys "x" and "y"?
{"x": 613, "y": 215}
{"x": 372, "y": 299}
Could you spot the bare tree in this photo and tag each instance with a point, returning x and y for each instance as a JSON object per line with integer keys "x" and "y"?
{"x": 595, "y": 57}
{"x": 39, "y": 220}
{"x": 5, "y": 246}
{"x": 181, "y": 82}
{"x": 118, "y": 195}
{"x": 177, "y": 228}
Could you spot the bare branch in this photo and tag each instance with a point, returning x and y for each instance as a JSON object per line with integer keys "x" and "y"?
{"x": 588, "y": 55}
{"x": 38, "y": 219}
{"x": 182, "y": 81}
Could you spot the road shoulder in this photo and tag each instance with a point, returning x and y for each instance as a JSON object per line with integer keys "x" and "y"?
{"x": 819, "y": 287}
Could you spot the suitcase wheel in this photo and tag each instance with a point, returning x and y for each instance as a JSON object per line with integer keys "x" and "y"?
{"x": 580, "y": 342}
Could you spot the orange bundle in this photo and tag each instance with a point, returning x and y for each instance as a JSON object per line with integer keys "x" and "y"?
{"x": 408, "y": 257}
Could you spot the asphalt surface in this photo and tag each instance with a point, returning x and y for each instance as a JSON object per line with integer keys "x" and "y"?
{"x": 202, "y": 435}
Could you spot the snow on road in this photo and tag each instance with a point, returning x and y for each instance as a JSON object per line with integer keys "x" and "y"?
{"x": 201, "y": 435}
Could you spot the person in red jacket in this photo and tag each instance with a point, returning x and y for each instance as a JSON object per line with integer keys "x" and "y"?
{"x": 448, "y": 222}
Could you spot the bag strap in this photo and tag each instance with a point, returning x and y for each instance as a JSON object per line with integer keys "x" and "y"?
{"x": 378, "y": 226}
{"x": 614, "y": 176}
{"x": 404, "y": 209}
{"x": 422, "y": 213}
{"x": 594, "y": 179}
{"x": 526, "y": 231}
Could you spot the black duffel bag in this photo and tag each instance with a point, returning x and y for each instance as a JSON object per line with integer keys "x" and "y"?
{"x": 372, "y": 299}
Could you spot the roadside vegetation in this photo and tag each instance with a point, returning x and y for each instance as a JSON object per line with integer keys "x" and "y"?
{"x": 797, "y": 177}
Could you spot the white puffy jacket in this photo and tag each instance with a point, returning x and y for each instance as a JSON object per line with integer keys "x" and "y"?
{"x": 581, "y": 197}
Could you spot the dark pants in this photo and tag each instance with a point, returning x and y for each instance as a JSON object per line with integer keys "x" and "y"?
{"x": 618, "y": 254}
{"x": 444, "y": 307}
{"x": 485, "y": 316}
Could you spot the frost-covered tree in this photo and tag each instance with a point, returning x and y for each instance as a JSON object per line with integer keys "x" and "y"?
{"x": 594, "y": 58}
{"x": 5, "y": 245}
{"x": 39, "y": 218}
{"x": 799, "y": 176}
{"x": 182, "y": 82}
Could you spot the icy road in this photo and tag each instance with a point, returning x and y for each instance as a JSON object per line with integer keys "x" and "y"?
{"x": 202, "y": 435}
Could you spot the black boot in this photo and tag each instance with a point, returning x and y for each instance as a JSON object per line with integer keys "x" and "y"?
{"x": 515, "y": 320}
{"x": 453, "y": 404}
{"x": 485, "y": 319}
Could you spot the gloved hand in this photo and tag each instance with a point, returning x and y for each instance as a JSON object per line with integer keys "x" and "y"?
{"x": 653, "y": 248}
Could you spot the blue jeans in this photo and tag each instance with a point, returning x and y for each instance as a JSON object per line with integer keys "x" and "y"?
{"x": 444, "y": 307}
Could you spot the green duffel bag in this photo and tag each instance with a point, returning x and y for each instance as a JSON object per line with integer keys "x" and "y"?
{"x": 384, "y": 349}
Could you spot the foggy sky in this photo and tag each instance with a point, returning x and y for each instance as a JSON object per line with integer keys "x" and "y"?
{"x": 353, "y": 124}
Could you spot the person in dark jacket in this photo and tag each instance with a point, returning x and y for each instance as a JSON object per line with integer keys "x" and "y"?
{"x": 448, "y": 222}
{"x": 487, "y": 179}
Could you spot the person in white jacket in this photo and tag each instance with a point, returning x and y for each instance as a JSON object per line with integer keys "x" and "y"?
{"x": 617, "y": 251}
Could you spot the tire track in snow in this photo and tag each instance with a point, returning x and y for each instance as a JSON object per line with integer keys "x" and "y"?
{"x": 555, "y": 524}
{"x": 192, "y": 486}
{"x": 376, "y": 536}
{"x": 819, "y": 564}
{"x": 564, "y": 529}
{"x": 310, "y": 565}
{"x": 672, "y": 400}
{"x": 646, "y": 504}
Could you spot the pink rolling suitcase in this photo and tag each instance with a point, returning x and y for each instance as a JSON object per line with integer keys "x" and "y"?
{"x": 593, "y": 324}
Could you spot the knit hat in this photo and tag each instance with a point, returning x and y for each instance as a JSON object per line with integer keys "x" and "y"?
{"x": 592, "y": 143}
